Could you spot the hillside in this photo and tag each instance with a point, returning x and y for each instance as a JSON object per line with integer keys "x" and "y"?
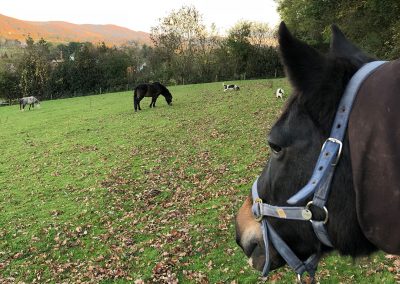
{"x": 93, "y": 192}
{"x": 57, "y": 31}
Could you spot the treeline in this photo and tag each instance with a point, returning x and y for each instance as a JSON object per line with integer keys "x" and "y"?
{"x": 184, "y": 51}
{"x": 188, "y": 52}
{"x": 374, "y": 25}
{"x": 75, "y": 69}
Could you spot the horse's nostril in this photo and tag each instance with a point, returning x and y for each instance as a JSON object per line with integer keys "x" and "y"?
{"x": 248, "y": 248}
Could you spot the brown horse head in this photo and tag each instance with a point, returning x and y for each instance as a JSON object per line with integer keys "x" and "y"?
{"x": 318, "y": 81}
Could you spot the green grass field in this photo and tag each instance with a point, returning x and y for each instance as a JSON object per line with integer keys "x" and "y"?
{"x": 92, "y": 192}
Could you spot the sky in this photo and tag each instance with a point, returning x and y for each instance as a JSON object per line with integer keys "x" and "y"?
{"x": 139, "y": 15}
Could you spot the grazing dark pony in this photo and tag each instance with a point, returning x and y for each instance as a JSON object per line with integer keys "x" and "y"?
{"x": 31, "y": 101}
{"x": 362, "y": 192}
{"x": 152, "y": 90}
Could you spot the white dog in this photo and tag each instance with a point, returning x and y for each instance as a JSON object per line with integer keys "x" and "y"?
{"x": 279, "y": 93}
{"x": 230, "y": 87}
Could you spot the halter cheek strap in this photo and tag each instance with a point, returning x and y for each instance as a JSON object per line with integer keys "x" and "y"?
{"x": 270, "y": 235}
{"x": 319, "y": 185}
{"x": 321, "y": 178}
{"x": 332, "y": 147}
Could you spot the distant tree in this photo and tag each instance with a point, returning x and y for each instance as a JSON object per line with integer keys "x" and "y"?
{"x": 261, "y": 35}
{"x": 264, "y": 60}
{"x": 86, "y": 75}
{"x": 179, "y": 35}
{"x": 9, "y": 88}
{"x": 239, "y": 46}
{"x": 374, "y": 25}
{"x": 61, "y": 80}
{"x": 137, "y": 60}
{"x": 113, "y": 64}
{"x": 264, "y": 63}
{"x": 207, "y": 58}
{"x": 35, "y": 68}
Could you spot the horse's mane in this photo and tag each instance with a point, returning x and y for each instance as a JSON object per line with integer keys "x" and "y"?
{"x": 324, "y": 94}
{"x": 164, "y": 90}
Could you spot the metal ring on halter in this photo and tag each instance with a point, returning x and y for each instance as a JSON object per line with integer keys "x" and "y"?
{"x": 325, "y": 209}
{"x": 259, "y": 202}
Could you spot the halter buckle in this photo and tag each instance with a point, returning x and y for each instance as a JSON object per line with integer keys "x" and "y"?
{"x": 337, "y": 141}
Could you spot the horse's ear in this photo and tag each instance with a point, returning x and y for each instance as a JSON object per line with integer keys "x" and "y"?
{"x": 303, "y": 64}
{"x": 341, "y": 47}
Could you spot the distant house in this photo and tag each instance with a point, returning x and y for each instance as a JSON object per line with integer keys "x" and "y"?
{"x": 10, "y": 67}
{"x": 55, "y": 62}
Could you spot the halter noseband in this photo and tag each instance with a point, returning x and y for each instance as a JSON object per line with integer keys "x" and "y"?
{"x": 319, "y": 185}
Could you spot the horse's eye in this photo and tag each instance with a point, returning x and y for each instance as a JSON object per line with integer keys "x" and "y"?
{"x": 275, "y": 148}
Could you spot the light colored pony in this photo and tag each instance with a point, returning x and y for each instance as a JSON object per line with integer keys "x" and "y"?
{"x": 31, "y": 101}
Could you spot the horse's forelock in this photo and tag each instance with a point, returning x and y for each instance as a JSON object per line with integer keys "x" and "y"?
{"x": 321, "y": 100}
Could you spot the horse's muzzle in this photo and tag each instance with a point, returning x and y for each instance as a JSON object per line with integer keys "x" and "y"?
{"x": 250, "y": 239}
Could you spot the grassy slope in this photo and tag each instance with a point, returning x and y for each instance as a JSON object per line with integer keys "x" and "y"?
{"x": 91, "y": 191}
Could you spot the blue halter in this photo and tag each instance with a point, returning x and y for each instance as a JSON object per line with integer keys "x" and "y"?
{"x": 319, "y": 185}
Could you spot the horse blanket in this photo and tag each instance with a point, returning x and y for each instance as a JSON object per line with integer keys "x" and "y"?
{"x": 374, "y": 138}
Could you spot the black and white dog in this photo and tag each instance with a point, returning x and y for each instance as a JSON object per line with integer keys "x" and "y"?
{"x": 279, "y": 93}
{"x": 230, "y": 87}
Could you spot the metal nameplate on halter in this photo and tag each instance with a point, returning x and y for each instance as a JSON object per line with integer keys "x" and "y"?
{"x": 281, "y": 213}
{"x": 259, "y": 202}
